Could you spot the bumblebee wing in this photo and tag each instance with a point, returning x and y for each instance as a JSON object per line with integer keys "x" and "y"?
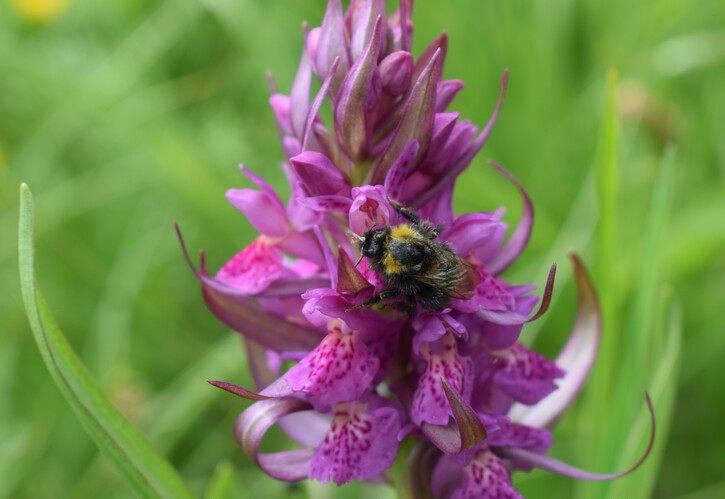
{"x": 468, "y": 279}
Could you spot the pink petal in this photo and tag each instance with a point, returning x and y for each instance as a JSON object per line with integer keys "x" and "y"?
{"x": 430, "y": 404}
{"x": 360, "y": 445}
{"x": 486, "y": 478}
{"x": 252, "y": 425}
{"x": 576, "y": 358}
{"x": 354, "y": 99}
{"x": 395, "y": 73}
{"x": 254, "y": 268}
{"x": 520, "y": 238}
{"x": 338, "y": 370}
{"x": 416, "y": 122}
{"x": 525, "y": 375}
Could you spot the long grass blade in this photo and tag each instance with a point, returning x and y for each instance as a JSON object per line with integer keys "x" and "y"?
{"x": 147, "y": 472}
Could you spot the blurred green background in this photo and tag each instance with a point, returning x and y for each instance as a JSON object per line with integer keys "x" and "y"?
{"x": 123, "y": 116}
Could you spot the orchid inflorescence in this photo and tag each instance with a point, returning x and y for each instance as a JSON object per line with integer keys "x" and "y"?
{"x": 454, "y": 388}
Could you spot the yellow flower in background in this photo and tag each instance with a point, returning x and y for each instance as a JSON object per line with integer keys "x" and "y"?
{"x": 40, "y": 10}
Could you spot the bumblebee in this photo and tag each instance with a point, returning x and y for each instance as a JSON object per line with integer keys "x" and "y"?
{"x": 417, "y": 268}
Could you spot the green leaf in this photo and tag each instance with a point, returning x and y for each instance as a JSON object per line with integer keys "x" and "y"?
{"x": 593, "y": 453}
{"x": 663, "y": 391}
{"x": 221, "y": 481}
{"x": 148, "y": 473}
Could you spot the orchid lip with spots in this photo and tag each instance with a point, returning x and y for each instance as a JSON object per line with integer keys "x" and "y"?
{"x": 474, "y": 403}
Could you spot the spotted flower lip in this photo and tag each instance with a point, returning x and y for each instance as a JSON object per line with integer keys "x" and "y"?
{"x": 348, "y": 382}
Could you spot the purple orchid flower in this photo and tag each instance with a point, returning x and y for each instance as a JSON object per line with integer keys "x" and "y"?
{"x": 456, "y": 381}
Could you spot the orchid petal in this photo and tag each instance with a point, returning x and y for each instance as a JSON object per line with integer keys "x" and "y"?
{"x": 318, "y": 173}
{"x": 253, "y": 322}
{"x": 330, "y": 203}
{"x": 300, "y": 94}
{"x": 237, "y": 390}
{"x": 486, "y": 477}
{"x": 525, "y": 375}
{"x": 436, "y": 49}
{"x": 576, "y": 358}
{"x": 446, "y": 91}
{"x": 430, "y": 404}
{"x": 401, "y": 25}
{"x": 251, "y": 427}
{"x": 330, "y": 44}
{"x": 361, "y": 443}
{"x": 363, "y": 15}
{"x": 469, "y": 425}
{"x": 339, "y": 369}
{"x": 280, "y": 105}
{"x": 351, "y": 125}
{"x": 349, "y": 279}
{"x": 395, "y": 177}
{"x": 471, "y": 231}
{"x": 520, "y": 238}
{"x": 253, "y": 269}
{"x": 316, "y": 103}
{"x": 548, "y": 292}
{"x": 473, "y": 149}
{"x": 370, "y": 206}
{"x": 416, "y": 122}
{"x": 396, "y": 71}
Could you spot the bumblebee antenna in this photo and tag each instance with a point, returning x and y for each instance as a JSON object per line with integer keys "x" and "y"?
{"x": 359, "y": 260}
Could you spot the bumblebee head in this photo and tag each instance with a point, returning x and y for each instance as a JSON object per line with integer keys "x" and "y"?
{"x": 372, "y": 243}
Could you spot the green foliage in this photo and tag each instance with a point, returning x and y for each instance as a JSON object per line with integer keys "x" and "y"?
{"x": 124, "y": 116}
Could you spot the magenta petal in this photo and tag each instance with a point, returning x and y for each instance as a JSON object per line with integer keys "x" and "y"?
{"x": 261, "y": 211}
{"x": 360, "y": 445}
{"x": 338, "y": 370}
{"x": 363, "y": 15}
{"x": 472, "y": 150}
{"x": 446, "y": 92}
{"x": 370, "y": 206}
{"x": 469, "y": 425}
{"x": 327, "y": 204}
{"x": 395, "y": 178}
{"x": 576, "y": 358}
{"x": 254, "y": 323}
{"x": 280, "y": 105}
{"x": 251, "y": 427}
{"x": 471, "y": 231}
{"x": 316, "y": 103}
{"x": 253, "y": 269}
{"x": 401, "y": 25}
{"x": 395, "y": 73}
{"x": 248, "y": 318}
{"x": 300, "y": 95}
{"x": 237, "y": 390}
{"x": 525, "y": 375}
{"x": 351, "y": 125}
{"x": 520, "y": 237}
{"x": 486, "y": 478}
{"x": 416, "y": 122}
{"x": 522, "y": 437}
{"x": 264, "y": 210}
{"x": 330, "y": 44}
{"x": 436, "y": 49}
{"x": 319, "y": 174}
{"x": 430, "y": 403}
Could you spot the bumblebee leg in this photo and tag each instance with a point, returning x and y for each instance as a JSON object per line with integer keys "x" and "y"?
{"x": 404, "y": 212}
{"x": 383, "y": 296}
{"x": 424, "y": 227}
